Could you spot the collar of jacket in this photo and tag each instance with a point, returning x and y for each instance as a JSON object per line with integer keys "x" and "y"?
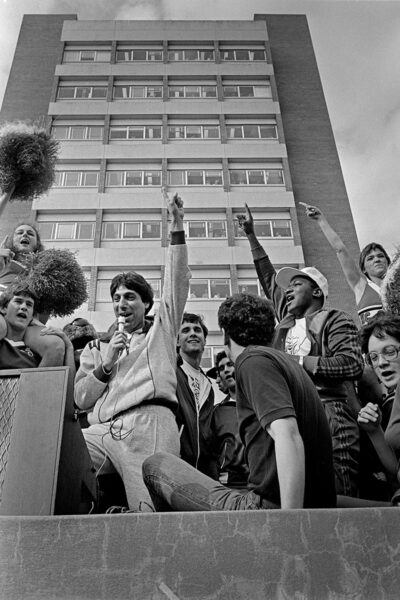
{"x": 106, "y": 337}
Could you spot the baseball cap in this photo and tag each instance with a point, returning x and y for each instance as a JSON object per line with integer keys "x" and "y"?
{"x": 285, "y": 275}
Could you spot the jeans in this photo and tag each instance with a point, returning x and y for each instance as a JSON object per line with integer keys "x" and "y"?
{"x": 345, "y": 446}
{"x": 174, "y": 485}
{"x": 124, "y": 444}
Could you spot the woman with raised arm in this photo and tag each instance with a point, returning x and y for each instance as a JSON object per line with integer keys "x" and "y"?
{"x": 364, "y": 279}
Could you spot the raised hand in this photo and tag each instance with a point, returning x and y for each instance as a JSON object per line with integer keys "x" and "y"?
{"x": 312, "y": 211}
{"x": 246, "y": 221}
{"x": 175, "y": 209}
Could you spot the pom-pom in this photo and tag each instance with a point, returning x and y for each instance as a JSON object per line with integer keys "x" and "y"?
{"x": 391, "y": 286}
{"x": 27, "y": 160}
{"x": 58, "y": 282}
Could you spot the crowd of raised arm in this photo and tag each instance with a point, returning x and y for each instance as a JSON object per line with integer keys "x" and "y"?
{"x": 310, "y": 408}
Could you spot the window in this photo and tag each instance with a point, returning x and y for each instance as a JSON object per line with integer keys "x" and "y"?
{"x": 86, "y": 56}
{"x": 76, "y": 179}
{"x": 82, "y": 92}
{"x": 190, "y": 55}
{"x": 249, "y": 286}
{"x": 275, "y": 228}
{"x": 205, "y": 229}
{"x": 126, "y": 92}
{"x": 132, "y": 178}
{"x": 201, "y": 132}
{"x": 251, "y": 131}
{"x": 67, "y": 231}
{"x": 77, "y": 132}
{"x": 247, "y": 91}
{"x": 103, "y": 289}
{"x": 139, "y": 55}
{"x": 131, "y": 230}
{"x": 195, "y": 177}
{"x": 256, "y": 177}
{"x": 209, "y": 288}
{"x": 192, "y": 91}
{"x": 135, "y": 132}
{"x": 238, "y": 55}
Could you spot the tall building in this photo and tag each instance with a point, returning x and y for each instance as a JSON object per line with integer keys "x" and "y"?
{"x": 224, "y": 112}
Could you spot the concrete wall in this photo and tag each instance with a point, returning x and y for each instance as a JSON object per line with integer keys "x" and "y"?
{"x": 299, "y": 554}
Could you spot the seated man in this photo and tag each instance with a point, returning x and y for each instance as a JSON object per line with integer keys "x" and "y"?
{"x": 127, "y": 378}
{"x": 324, "y": 341}
{"x": 18, "y": 306}
{"x": 281, "y": 423}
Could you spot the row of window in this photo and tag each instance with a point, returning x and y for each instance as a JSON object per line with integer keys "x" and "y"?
{"x": 140, "y": 178}
{"x": 154, "y": 132}
{"x": 204, "y": 289}
{"x": 132, "y": 230}
{"x": 156, "y": 55}
{"x": 129, "y": 92}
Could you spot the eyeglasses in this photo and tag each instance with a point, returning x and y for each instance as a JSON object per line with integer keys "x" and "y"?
{"x": 389, "y": 353}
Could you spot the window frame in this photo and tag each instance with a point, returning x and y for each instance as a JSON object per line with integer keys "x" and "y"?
{"x": 127, "y": 128}
{"x": 81, "y": 176}
{"x": 81, "y": 87}
{"x": 124, "y": 173}
{"x": 265, "y": 175}
{"x": 185, "y": 177}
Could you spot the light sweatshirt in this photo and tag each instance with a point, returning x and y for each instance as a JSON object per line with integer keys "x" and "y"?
{"x": 148, "y": 371}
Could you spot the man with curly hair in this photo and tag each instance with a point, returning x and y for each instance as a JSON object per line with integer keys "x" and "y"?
{"x": 281, "y": 423}
{"x": 324, "y": 341}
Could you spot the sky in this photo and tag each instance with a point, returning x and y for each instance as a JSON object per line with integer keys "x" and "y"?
{"x": 357, "y": 46}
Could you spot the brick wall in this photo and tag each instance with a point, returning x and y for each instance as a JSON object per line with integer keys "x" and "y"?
{"x": 313, "y": 159}
{"x": 29, "y": 87}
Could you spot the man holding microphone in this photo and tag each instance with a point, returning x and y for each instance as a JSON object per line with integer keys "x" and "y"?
{"x": 127, "y": 379}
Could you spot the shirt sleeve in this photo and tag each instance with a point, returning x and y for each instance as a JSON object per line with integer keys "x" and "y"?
{"x": 342, "y": 358}
{"x": 266, "y": 389}
{"x": 90, "y": 382}
{"x": 266, "y": 275}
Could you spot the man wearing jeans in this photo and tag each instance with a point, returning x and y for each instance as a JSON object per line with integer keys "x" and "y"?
{"x": 281, "y": 423}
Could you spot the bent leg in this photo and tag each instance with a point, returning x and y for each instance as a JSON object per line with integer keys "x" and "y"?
{"x": 174, "y": 485}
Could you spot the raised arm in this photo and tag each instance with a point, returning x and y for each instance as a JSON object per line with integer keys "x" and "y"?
{"x": 356, "y": 280}
{"x": 369, "y": 419}
{"x": 265, "y": 269}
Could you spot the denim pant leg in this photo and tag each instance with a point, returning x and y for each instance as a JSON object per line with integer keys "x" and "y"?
{"x": 174, "y": 485}
{"x": 345, "y": 445}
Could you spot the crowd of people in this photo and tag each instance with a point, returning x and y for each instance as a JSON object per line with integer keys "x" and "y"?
{"x": 310, "y": 416}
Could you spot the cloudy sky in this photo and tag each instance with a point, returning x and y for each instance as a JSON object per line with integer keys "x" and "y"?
{"x": 357, "y": 45}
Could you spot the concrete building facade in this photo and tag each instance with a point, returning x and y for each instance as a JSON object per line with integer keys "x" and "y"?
{"x": 224, "y": 112}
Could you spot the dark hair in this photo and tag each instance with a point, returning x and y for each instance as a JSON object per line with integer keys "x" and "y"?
{"x": 365, "y": 251}
{"x": 18, "y": 289}
{"x": 193, "y": 318}
{"x": 247, "y": 319}
{"x": 220, "y": 356}
{"x": 9, "y": 239}
{"x": 137, "y": 283}
{"x": 380, "y": 325}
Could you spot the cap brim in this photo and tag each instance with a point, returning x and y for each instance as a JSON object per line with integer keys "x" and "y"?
{"x": 285, "y": 275}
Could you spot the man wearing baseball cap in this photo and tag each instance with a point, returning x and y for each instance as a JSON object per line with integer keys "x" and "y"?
{"x": 325, "y": 343}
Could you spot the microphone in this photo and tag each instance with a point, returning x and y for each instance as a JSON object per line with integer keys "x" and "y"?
{"x": 121, "y": 323}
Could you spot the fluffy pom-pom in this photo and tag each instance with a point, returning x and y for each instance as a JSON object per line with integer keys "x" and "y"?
{"x": 27, "y": 160}
{"x": 391, "y": 286}
{"x": 58, "y": 281}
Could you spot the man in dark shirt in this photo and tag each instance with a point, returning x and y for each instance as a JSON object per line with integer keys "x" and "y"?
{"x": 281, "y": 422}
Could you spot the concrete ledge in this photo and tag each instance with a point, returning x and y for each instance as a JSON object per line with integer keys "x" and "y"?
{"x": 335, "y": 554}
